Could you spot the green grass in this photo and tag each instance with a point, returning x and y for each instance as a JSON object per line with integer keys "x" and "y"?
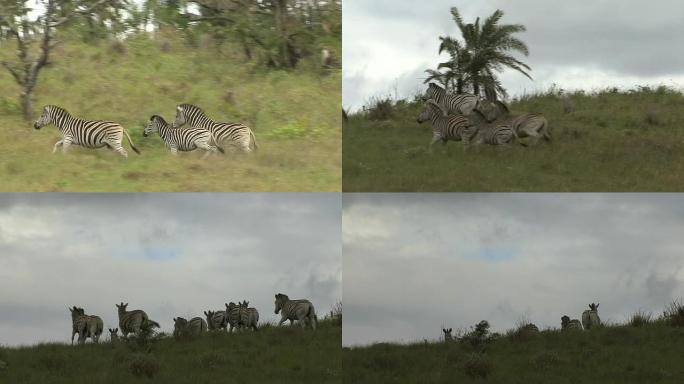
{"x": 607, "y": 141}
{"x": 294, "y": 114}
{"x": 271, "y": 355}
{"x": 615, "y": 354}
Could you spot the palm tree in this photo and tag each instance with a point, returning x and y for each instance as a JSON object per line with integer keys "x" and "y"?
{"x": 485, "y": 51}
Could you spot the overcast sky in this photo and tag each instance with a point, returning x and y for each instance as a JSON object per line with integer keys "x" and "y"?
{"x": 168, "y": 254}
{"x": 414, "y": 263}
{"x": 583, "y": 44}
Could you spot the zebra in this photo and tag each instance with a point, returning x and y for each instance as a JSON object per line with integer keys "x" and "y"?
{"x": 590, "y": 317}
{"x": 184, "y": 140}
{"x": 114, "y": 335}
{"x": 216, "y": 320}
{"x": 447, "y": 334}
{"x": 182, "y": 327}
{"x": 445, "y": 127}
{"x": 499, "y": 132}
{"x": 234, "y": 133}
{"x": 567, "y": 324}
{"x": 300, "y": 310}
{"x": 530, "y": 125}
{"x": 249, "y": 317}
{"x": 460, "y": 104}
{"x": 133, "y": 321}
{"x": 86, "y": 133}
{"x": 85, "y": 325}
{"x": 233, "y": 315}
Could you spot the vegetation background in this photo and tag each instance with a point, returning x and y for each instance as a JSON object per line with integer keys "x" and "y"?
{"x": 131, "y": 60}
{"x": 270, "y": 355}
{"x": 644, "y": 350}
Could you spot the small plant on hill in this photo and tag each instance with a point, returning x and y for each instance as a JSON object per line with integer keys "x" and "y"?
{"x": 674, "y": 314}
{"x": 478, "y": 337}
{"x": 380, "y": 108}
{"x": 640, "y": 319}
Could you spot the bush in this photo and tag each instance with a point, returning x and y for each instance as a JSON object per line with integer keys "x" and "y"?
{"x": 380, "y": 108}
{"x": 143, "y": 365}
{"x": 478, "y": 366}
{"x": 479, "y": 336}
{"x": 640, "y": 319}
{"x": 674, "y": 314}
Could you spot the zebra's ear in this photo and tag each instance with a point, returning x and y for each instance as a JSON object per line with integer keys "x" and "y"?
{"x": 179, "y": 108}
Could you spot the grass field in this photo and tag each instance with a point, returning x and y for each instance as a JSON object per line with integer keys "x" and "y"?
{"x": 271, "y": 355}
{"x": 604, "y": 141}
{"x": 294, "y": 114}
{"x": 614, "y": 354}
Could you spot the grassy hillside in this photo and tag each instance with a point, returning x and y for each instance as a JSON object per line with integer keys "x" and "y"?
{"x": 295, "y": 116}
{"x": 272, "y": 355}
{"x": 617, "y": 354}
{"x": 607, "y": 141}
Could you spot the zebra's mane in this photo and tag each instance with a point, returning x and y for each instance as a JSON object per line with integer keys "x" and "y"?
{"x": 54, "y": 108}
{"x": 191, "y": 107}
{"x": 159, "y": 118}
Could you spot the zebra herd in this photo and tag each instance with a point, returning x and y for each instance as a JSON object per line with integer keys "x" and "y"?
{"x": 471, "y": 120}
{"x": 590, "y": 319}
{"x": 237, "y": 316}
{"x": 191, "y": 130}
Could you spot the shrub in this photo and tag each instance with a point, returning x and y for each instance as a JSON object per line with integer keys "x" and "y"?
{"x": 478, "y": 337}
{"x": 478, "y": 365}
{"x": 640, "y": 319}
{"x": 143, "y": 365}
{"x": 674, "y": 314}
{"x": 380, "y": 108}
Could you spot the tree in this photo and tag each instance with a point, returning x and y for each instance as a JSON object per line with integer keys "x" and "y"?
{"x": 14, "y": 20}
{"x": 486, "y": 49}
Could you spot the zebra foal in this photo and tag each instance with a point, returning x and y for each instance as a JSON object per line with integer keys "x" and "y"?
{"x": 86, "y": 133}
{"x": 235, "y": 134}
{"x": 184, "y": 140}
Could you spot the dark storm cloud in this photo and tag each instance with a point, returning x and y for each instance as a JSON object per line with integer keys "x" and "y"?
{"x": 170, "y": 254}
{"x": 578, "y": 44}
{"x": 422, "y": 261}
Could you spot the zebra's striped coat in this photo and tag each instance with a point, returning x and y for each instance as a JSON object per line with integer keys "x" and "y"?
{"x": 86, "y": 133}
{"x": 185, "y": 140}
{"x": 499, "y": 132}
{"x": 300, "y": 310}
{"x": 133, "y": 321}
{"x": 249, "y": 317}
{"x": 590, "y": 318}
{"x": 530, "y": 125}
{"x": 567, "y": 324}
{"x": 194, "y": 327}
{"x": 216, "y": 320}
{"x": 445, "y": 127}
{"x": 235, "y": 134}
{"x": 459, "y": 104}
{"x": 86, "y": 326}
{"x": 233, "y": 316}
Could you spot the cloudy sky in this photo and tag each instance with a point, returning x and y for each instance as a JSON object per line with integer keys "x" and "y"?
{"x": 169, "y": 254}
{"x": 414, "y": 263}
{"x": 584, "y": 44}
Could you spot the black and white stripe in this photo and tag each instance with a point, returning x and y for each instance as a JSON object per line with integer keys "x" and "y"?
{"x": 86, "y": 133}
{"x": 249, "y": 317}
{"x": 86, "y": 326}
{"x": 235, "y": 134}
{"x": 590, "y": 318}
{"x": 460, "y": 104}
{"x": 133, "y": 321}
{"x": 216, "y": 320}
{"x": 114, "y": 335}
{"x": 194, "y": 327}
{"x": 184, "y": 140}
{"x": 445, "y": 127}
{"x": 499, "y": 132}
{"x": 567, "y": 324}
{"x": 233, "y": 316}
{"x": 300, "y": 310}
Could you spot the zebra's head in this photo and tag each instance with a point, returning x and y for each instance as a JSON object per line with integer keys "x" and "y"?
{"x": 45, "y": 117}
{"x": 432, "y": 91}
{"x": 209, "y": 315}
{"x": 447, "y": 334}
{"x": 122, "y": 307}
{"x": 565, "y": 320}
{"x": 76, "y": 312}
{"x": 155, "y": 122}
{"x": 594, "y": 307}
{"x": 183, "y": 111}
{"x": 280, "y": 300}
{"x": 179, "y": 323}
{"x": 431, "y": 109}
{"x": 113, "y": 333}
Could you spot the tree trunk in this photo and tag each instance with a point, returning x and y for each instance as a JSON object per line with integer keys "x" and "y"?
{"x": 27, "y": 104}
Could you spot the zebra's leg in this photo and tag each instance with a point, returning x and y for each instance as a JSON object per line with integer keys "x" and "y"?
{"x": 435, "y": 139}
{"x": 118, "y": 148}
{"x": 72, "y": 337}
{"x": 54, "y": 150}
{"x": 66, "y": 143}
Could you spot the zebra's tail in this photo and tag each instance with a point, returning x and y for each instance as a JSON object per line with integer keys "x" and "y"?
{"x": 131, "y": 142}
{"x": 213, "y": 138}
{"x": 153, "y": 323}
{"x": 251, "y": 135}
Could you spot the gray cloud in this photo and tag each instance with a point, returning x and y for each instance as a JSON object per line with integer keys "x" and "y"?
{"x": 169, "y": 254}
{"x": 583, "y": 44}
{"x": 416, "y": 262}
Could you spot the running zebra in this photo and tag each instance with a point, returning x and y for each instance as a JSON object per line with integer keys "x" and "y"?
{"x": 461, "y": 104}
{"x": 133, "y": 321}
{"x": 499, "y": 132}
{"x": 567, "y": 324}
{"x": 445, "y": 127}
{"x": 184, "y": 140}
{"x": 182, "y": 327}
{"x": 590, "y": 318}
{"x": 300, "y": 310}
{"x": 233, "y": 133}
{"x": 249, "y": 317}
{"x": 233, "y": 315}
{"x": 85, "y": 325}
{"x": 86, "y": 133}
{"x": 216, "y": 320}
